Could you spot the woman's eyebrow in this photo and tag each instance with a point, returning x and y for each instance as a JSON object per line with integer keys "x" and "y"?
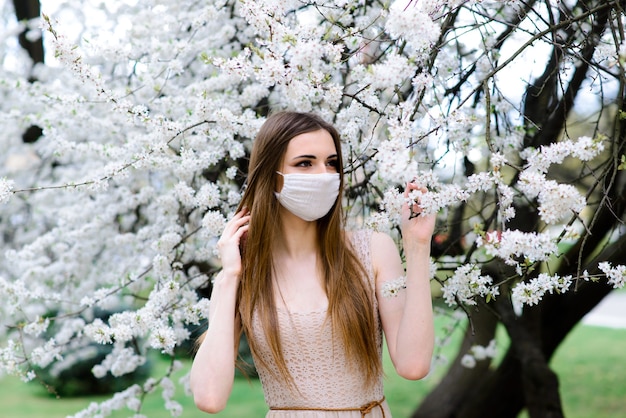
{"x": 313, "y": 157}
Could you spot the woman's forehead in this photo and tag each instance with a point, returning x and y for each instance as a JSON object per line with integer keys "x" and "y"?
{"x": 316, "y": 142}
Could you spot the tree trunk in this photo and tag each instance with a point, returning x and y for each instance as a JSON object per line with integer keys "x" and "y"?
{"x": 26, "y": 10}
{"x": 503, "y": 393}
{"x": 459, "y": 384}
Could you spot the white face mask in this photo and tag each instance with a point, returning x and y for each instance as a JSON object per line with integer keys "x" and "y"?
{"x": 309, "y": 196}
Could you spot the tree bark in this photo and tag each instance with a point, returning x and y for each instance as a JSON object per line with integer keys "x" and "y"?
{"x": 26, "y": 10}
{"x": 459, "y": 384}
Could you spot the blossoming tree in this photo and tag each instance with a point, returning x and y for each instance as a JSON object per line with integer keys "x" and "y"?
{"x": 125, "y": 149}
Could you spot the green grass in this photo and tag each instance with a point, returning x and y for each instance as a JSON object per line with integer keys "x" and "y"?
{"x": 589, "y": 363}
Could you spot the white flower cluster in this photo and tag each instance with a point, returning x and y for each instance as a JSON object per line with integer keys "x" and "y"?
{"x": 392, "y": 205}
{"x": 466, "y": 284}
{"x": 515, "y": 246}
{"x": 394, "y": 163}
{"x": 11, "y": 359}
{"x": 480, "y": 182}
{"x": 532, "y": 291}
{"x": 556, "y": 201}
{"x": 169, "y": 390}
{"x": 37, "y": 327}
{"x": 391, "y": 72}
{"x": 616, "y": 276}
{"x": 163, "y": 338}
{"x": 379, "y": 222}
{"x": 17, "y": 295}
{"x": 45, "y": 354}
{"x": 6, "y": 189}
{"x": 213, "y": 223}
{"x": 128, "y": 398}
{"x": 479, "y": 353}
{"x": 392, "y": 288}
{"x": 445, "y": 195}
{"x": 121, "y": 361}
{"x": 438, "y": 196}
{"x": 412, "y": 23}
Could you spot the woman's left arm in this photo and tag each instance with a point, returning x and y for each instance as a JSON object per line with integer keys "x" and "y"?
{"x": 407, "y": 316}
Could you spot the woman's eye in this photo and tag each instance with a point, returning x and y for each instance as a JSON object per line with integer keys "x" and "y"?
{"x": 304, "y": 164}
{"x": 333, "y": 163}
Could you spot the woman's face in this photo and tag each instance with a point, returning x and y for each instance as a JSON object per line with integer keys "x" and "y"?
{"x": 310, "y": 153}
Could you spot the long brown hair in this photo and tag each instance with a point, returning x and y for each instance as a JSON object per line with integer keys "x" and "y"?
{"x": 350, "y": 296}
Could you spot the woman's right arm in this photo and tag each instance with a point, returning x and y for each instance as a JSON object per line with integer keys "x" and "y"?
{"x": 213, "y": 367}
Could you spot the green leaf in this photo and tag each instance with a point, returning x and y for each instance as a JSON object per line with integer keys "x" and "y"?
{"x": 622, "y": 164}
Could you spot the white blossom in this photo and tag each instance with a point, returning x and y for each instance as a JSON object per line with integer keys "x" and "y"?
{"x": 478, "y": 353}
{"x": 532, "y": 291}
{"x": 484, "y": 352}
{"x": 393, "y": 71}
{"x": 540, "y": 160}
{"x": 163, "y": 338}
{"x": 468, "y": 361}
{"x": 208, "y": 196}
{"x": 513, "y": 245}
{"x": 391, "y": 288}
{"x": 379, "y": 222}
{"x": 47, "y": 353}
{"x": 413, "y": 24}
{"x": 466, "y": 283}
{"x": 394, "y": 163}
{"x": 616, "y": 275}
{"x": 231, "y": 172}
{"x": 480, "y": 182}
{"x": 99, "y": 332}
{"x": 37, "y": 327}
{"x": 213, "y": 223}
{"x": 498, "y": 160}
{"x": 122, "y": 360}
{"x": 6, "y": 189}
{"x": 557, "y": 202}
{"x": 118, "y": 401}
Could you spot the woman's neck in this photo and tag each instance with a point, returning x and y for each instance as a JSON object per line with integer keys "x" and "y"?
{"x": 298, "y": 238}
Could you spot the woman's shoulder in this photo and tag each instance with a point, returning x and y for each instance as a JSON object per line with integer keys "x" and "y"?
{"x": 377, "y": 247}
{"x": 360, "y": 241}
{"x": 369, "y": 236}
{"x": 354, "y": 235}
{"x": 373, "y": 246}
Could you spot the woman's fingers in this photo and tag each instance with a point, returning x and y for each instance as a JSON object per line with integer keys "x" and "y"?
{"x": 240, "y": 219}
{"x": 414, "y": 207}
{"x": 229, "y": 243}
{"x": 415, "y": 226}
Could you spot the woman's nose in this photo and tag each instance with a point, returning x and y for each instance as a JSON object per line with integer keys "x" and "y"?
{"x": 320, "y": 168}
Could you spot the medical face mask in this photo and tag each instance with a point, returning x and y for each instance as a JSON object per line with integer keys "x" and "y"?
{"x": 309, "y": 196}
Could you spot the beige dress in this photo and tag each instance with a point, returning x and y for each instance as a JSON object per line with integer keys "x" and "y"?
{"x": 328, "y": 386}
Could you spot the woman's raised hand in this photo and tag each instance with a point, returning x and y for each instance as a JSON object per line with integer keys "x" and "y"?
{"x": 229, "y": 243}
{"x": 415, "y": 226}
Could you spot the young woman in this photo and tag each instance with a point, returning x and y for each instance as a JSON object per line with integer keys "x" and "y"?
{"x": 308, "y": 294}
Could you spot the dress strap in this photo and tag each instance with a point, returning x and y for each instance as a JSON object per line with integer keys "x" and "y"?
{"x": 365, "y": 409}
